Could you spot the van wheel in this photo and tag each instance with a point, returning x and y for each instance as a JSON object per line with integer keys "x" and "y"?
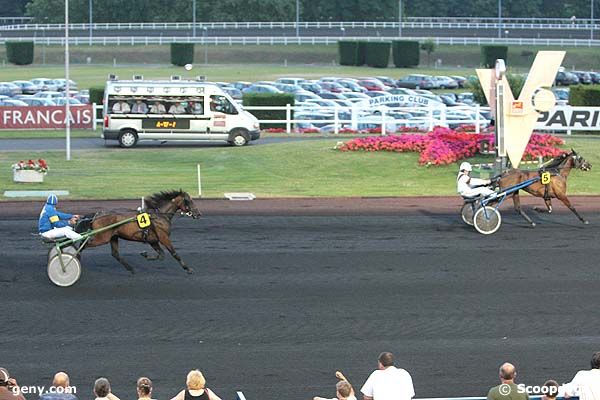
{"x": 239, "y": 139}
{"x": 128, "y": 139}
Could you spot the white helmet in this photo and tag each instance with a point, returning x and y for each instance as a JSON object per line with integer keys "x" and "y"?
{"x": 466, "y": 166}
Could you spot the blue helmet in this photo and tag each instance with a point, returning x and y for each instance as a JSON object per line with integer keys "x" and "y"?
{"x": 52, "y": 200}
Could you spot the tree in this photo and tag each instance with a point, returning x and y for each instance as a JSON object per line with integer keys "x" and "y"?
{"x": 429, "y": 47}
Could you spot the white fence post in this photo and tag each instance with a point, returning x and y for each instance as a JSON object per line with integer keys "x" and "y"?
{"x": 288, "y": 117}
{"x": 94, "y": 119}
{"x": 382, "y": 110}
{"x": 477, "y": 119}
{"x": 336, "y": 128}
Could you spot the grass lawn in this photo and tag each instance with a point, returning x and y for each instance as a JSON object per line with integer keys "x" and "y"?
{"x": 309, "y": 168}
{"x": 48, "y": 134}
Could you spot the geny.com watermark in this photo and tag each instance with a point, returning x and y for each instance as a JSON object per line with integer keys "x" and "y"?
{"x": 549, "y": 391}
{"x": 41, "y": 390}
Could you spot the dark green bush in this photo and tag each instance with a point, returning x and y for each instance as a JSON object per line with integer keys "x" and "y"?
{"x": 406, "y": 53}
{"x": 584, "y": 96}
{"x": 19, "y": 53}
{"x": 348, "y": 52}
{"x": 490, "y": 53}
{"x": 378, "y": 54}
{"x": 361, "y": 56}
{"x": 182, "y": 54}
{"x": 97, "y": 97}
{"x": 269, "y": 99}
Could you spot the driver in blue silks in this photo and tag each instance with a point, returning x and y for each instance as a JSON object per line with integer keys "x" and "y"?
{"x": 54, "y": 224}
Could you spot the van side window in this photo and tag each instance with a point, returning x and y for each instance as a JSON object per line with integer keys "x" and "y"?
{"x": 221, "y": 104}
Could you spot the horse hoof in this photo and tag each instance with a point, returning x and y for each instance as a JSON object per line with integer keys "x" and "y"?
{"x": 189, "y": 271}
{"x": 533, "y": 224}
{"x": 586, "y": 222}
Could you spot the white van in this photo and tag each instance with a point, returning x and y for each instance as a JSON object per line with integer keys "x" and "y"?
{"x": 174, "y": 110}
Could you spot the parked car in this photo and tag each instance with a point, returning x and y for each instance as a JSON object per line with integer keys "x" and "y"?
{"x": 241, "y": 85}
{"x": 255, "y": 88}
{"x": 44, "y": 84}
{"x": 12, "y": 103}
{"x": 27, "y": 87}
{"x": 351, "y": 85}
{"x": 595, "y": 77}
{"x": 61, "y": 101}
{"x": 361, "y": 96}
{"x": 52, "y": 95}
{"x": 288, "y": 87}
{"x": 402, "y": 91}
{"x": 61, "y": 84}
{"x": 584, "y": 77}
{"x": 291, "y": 81}
{"x": 461, "y": 80}
{"x": 389, "y": 82}
{"x": 36, "y": 101}
{"x": 333, "y": 87}
{"x": 466, "y": 97}
{"x": 332, "y": 96}
{"x": 445, "y": 82}
{"x": 311, "y": 86}
{"x": 417, "y": 81}
{"x": 562, "y": 96}
{"x": 376, "y": 93}
{"x": 372, "y": 84}
{"x": 564, "y": 78}
{"x": 9, "y": 89}
{"x": 303, "y": 95}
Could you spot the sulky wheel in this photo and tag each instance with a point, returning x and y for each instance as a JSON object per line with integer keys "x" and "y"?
{"x": 66, "y": 273}
{"x": 68, "y": 250}
{"x": 466, "y": 212}
{"x": 487, "y": 220}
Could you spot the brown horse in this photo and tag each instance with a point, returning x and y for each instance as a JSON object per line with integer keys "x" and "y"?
{"x": 559, "y": 169}
{"x": 161, "y": 207}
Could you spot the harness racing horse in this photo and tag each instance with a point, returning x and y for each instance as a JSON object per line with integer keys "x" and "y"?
{"x": 161, "y": 208}
{"x": 559, "y": 169}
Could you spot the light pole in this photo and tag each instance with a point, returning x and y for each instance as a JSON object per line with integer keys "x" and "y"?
{"x": 592, "y": 20}
{"x": 499, "y": 18}
{"x": 91, "y": 19}
{"x": 204, "y": 32}
{"x": 67, "y": 86}
{"x": 194, "y": 18}
{"x": 297, "y": 18}
{"x": 399, "y": 18}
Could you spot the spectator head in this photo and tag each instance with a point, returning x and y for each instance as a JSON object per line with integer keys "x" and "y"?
{"x": 195, "y": 380}
{"x": 101, "y": 387}
{"x": 551, "y": 389}
{"x": 4, "y": 377}
{"x": 144, "y": 386}
{"x": 507, "y": 372}
{"x": 386, "y": 359}
{"x": 596, "y": 360}
{"x": 343, "y": 389}
{"x": 61, "y": 379}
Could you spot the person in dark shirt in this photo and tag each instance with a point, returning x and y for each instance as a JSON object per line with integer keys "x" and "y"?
{"x": 196, "y": 388}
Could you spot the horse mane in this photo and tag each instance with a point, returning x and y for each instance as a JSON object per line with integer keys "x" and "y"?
{"x": 156, "y": 200}
{"x": 555, "y": 162}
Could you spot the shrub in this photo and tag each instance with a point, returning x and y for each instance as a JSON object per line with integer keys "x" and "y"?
{"x": 378, "y": 54}
{"x": 269, "y": 99}
{"x": 361, "y": 54}
{"x": 97, "y": 97}
{"x": 19, "y": 53}
{"x": 490, "y": 53}
{"x": 348, "y": 52}
{"x": 405, "y": 53}
{"x": 584, "y": 96}
{"x": 182, "y": 54}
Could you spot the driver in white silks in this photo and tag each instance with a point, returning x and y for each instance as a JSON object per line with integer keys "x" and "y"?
{"x": 471, "y": 187}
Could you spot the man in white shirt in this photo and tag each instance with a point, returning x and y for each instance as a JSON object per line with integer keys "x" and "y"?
{"x": 586, "y": 384}
{"x": 121, "y": 107}
{"x": 388, "y": 382}
{"x": 471, "y": 187}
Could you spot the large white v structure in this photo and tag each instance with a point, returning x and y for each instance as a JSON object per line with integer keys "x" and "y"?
{"x": 521, "y": 115}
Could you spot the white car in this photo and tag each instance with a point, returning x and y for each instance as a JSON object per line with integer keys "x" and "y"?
{"x": 45, "y": 84}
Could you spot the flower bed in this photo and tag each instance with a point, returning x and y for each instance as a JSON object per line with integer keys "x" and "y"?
{"x": 30, "y": 171}
{"x": 444, "y": 146}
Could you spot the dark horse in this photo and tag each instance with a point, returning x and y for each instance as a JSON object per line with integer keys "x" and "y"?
{"x": 161, "y": 207}
{"x": 559, "y": 169}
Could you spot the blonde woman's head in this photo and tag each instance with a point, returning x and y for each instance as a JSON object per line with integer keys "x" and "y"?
{"x": 195, "y": 380}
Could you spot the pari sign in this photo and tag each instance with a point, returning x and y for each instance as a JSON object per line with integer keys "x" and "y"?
{"x": 570, "y": 118}
{"x": 51, "y": 117}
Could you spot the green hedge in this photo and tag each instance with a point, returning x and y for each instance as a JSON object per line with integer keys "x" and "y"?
{"x": 361, "y": 55}
{"x": 378, "y": 54}
{"x": 348, "y": 52}
{"x": 97, "y": 96}
{"x": 490, "y": 53}
{"x": 182, "y": 54}
{"x": 19, "y": 53}
{"x": 584, "y": 96}
{"x": 406, "y": 53}
{"x": 269, "y": 99}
